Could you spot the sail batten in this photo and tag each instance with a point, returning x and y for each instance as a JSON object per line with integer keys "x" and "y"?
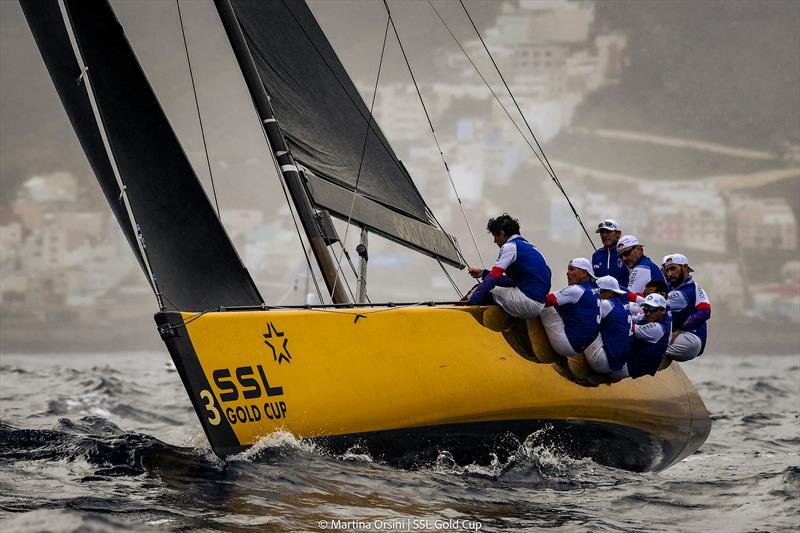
{"x": 326, "y": 124}
{"x": 193, "y": 261}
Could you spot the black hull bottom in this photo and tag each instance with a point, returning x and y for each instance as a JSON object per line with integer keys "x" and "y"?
{"x": 479, "y": 443}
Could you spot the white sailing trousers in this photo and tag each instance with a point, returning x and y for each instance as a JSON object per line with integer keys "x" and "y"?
{"x": 554, "y": 328}
{"x": 685, "y": 347}
{"x": 515, "y": 303}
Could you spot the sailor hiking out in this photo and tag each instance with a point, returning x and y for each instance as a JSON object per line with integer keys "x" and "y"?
{"x": 608, "y": 353}
{"x": 640, "y": 268}
{"x": 651, "y": 334}
{"x": 653, "y": 286}
{"x": 690, "y": 309}
{"x": 520, "y": 278}
{"x": 605, "y": 260}
{"x": 572, "y": 318}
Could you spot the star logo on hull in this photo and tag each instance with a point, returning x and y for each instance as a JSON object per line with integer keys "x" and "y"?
{"x": 277, "y": 342}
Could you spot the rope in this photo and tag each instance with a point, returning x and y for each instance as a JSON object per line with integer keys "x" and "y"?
{"x": 488, "y": 86}
{"x": 548, "y": 167}
{"x": 292, "y": 213}
{"x": 450, "y": 279}
{"x": 435, "y": 137}
{"x": 197, "y": 106}
{"x": 350, "y": 97}
{"x": 346, "y": 283}
{"x": 361, "y": 160}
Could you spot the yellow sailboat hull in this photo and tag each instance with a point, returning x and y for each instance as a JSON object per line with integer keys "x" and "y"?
{"x": 408, "y": 381}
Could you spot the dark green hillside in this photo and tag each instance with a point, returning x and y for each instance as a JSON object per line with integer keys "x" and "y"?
{"x": 726, "y": 72}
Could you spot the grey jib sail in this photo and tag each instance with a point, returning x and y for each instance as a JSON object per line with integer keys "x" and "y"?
{"x": 192, "y": 259}
{"x": 325, "y": 123}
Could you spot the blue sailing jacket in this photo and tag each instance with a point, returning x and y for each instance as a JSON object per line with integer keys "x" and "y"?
{"x": 579, "y": 308}
{"x": 649, "y": 344}
{"x": 691, "y": 309}
{"x": 606, "y": 262}
{"x": 519, "y": 264}
{"x": 615, "y": 329}
{"x": 642, "y": 272}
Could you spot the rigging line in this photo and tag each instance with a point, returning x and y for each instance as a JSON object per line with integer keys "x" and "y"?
{"x": 435, "y": 138}
{"x": 86, "y": 79}
{"x": 353, "y": 268}
{"x": 282, "y": 182}
{"x": 363, "y": 151}
{"x": 488, "y": 86}
{"x": 291, "y": 212}
{"x": 378, "y": 133}
{"x": 530, "y": 130}
{"x": 450, "y": 279}
{"x": 346, "y": 283}
{"x": 197, "y": 106}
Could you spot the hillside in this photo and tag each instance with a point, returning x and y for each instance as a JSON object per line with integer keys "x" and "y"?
{"x": 725, "y": 72}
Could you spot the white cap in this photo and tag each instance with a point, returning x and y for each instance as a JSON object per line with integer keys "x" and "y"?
{"x": 676, "y": 259}
{"x": 655, "y": 300}
{"x": 609, "y": 283}
{"x": 608, "y": 224}
{"x": 627, "y": 241}
{"x": 583, "y": 264}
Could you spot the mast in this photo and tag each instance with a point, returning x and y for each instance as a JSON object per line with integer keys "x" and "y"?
{"x": 286, "y": 162}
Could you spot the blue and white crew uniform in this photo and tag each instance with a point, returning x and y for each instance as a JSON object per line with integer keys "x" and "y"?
{"x": 606, "y": 262}
{"x": 650, "y": 341}
{"x": 641, "y": 273}
{"x": 519, "y": 280}
{"x": 608, "y": 353}
{"x": 573, "y": 321}
{"x": 691, "y": 310}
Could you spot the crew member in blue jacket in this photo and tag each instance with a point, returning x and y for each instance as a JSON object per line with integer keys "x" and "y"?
{"x": 690, "y": 309}
{"x": 572, "y": 317}
{"x": 640, "y": 268}
{"x": 608, "y": 353}
{"x": 520, "y": 278}
{"x": 605, "y": 260}
{"x": 650, "y": 337}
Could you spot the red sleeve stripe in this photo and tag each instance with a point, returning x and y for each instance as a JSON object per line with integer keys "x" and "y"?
{"x": 497, "y": 272}
{"x": 633, "y": 295}
{"x": 703, "y": 306}
{"x": 551, "y": 299}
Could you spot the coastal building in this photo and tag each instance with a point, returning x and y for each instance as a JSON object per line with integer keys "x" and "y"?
{"x": 764, "y": 223}
{"x": 692, "y": 217}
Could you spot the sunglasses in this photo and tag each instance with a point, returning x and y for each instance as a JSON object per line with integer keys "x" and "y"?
{"x": 626, "y": 253}
{"x": 648, "y": 310}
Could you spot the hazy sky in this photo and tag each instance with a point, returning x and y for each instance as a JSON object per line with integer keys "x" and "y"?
{"x": 756, "y": 70}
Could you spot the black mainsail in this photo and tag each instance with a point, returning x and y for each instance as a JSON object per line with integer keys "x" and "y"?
{"x": 193, "y": 263}
{"x": 324, "y": 121}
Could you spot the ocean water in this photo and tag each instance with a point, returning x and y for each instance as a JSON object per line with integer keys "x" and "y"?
{"x": 97, "y": 442}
